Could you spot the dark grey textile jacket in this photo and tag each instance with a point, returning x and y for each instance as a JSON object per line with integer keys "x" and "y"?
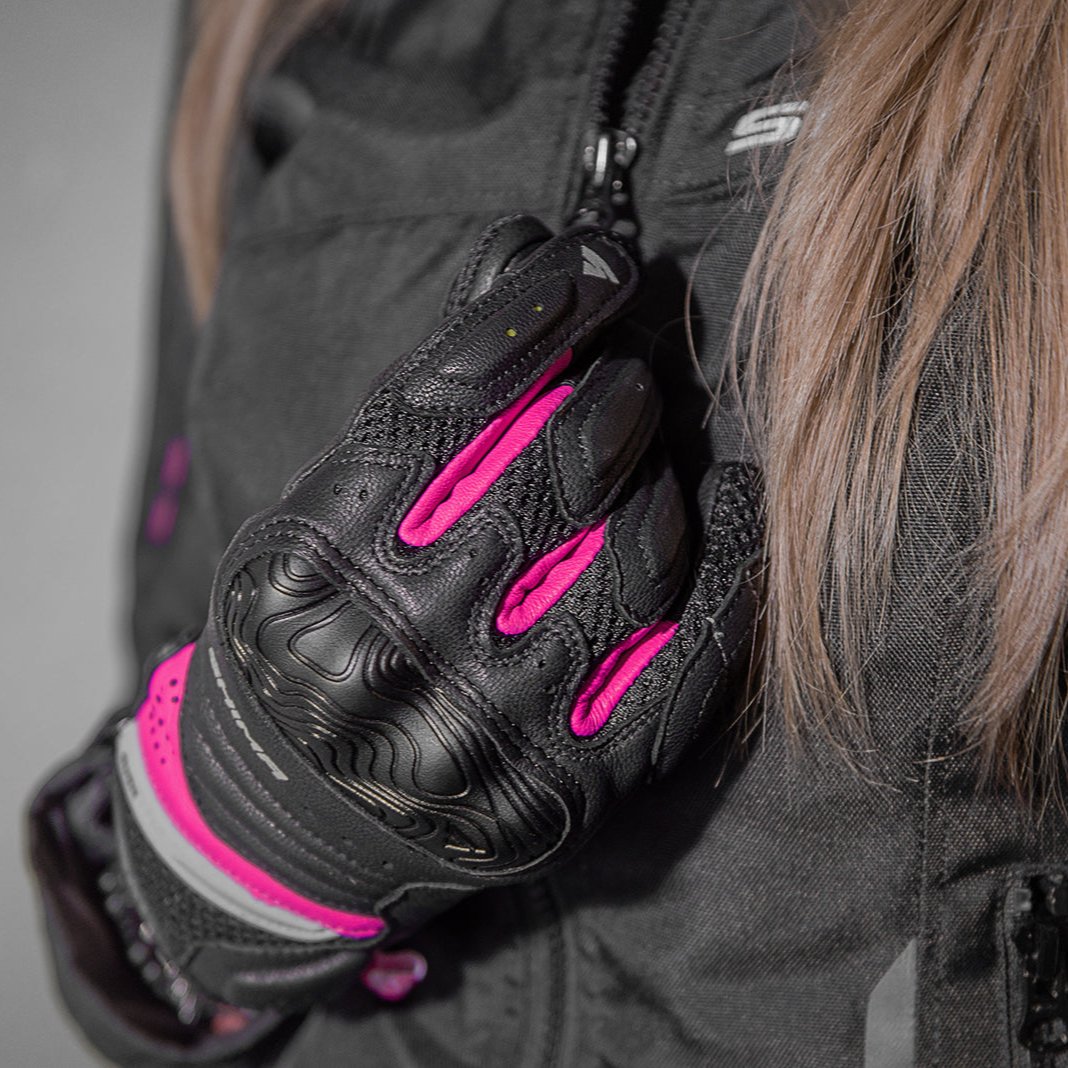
{"x": 767, "y": 911}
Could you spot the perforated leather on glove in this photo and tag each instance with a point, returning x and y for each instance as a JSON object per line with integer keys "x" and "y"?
{"x": 464, "y": 632}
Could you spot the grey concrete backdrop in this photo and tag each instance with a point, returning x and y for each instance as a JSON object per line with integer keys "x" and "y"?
{"x": 82, "y": 86}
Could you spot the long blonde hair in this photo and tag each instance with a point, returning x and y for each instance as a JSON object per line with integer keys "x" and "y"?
{"x": 941, "y": 126}
{"x": 934, "y": 163}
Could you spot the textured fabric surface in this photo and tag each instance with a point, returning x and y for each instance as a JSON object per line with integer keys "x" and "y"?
{"x": 741, "y": 911}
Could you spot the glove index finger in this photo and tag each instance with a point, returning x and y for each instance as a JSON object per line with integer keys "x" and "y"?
{"x": 486, "y": 354}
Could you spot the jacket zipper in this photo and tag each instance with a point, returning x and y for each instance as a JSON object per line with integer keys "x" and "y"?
{"x": 624, "y": 89}
{"x": 1039, "y": 926}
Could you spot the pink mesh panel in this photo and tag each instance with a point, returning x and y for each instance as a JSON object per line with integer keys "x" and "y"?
{"x": 466, "y": 478}
{"x": 547, "y": 580}
{"x": 160, "y": 739}
{"x": 615, "y": 674}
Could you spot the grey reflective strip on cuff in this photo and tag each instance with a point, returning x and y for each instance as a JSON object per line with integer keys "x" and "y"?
{"x": 890, "y": 1033}
{"x": 189, "y": 864}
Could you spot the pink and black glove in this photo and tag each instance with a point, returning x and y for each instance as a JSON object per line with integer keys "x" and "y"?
{"x": 462, "y": 635}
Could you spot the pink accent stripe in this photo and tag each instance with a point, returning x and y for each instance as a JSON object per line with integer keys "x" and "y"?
{"x": 547, "y": 580}
{"x": 467, "y": 477}
{"x": 615, "y": 674}
{"x": 160, "y": 738}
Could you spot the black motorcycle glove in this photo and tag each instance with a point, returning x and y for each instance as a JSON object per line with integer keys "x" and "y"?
{"x": 464, "y": 632}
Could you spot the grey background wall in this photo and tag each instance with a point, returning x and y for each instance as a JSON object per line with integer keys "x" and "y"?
{"x": 82, "y": 86}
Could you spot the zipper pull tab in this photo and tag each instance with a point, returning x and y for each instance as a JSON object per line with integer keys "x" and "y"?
{"x": 606, "y": 197}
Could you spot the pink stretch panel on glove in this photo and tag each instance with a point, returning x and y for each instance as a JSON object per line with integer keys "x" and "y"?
{"x": 615, "y": 675}
{"x": 160, "y": 736}
{"x": 467, "y": 477}
{"x": 547, "y": 580}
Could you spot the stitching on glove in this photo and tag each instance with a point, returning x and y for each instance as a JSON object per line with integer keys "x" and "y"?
{"x": 312, "y": 540}
{"x": 263, "y": 800}
{"x": 503, "y": 296}
{"x": 351, "y": 926}
{"x": 473, "y": 263}
{"x": 608, "y": 486}
{"x": 622, "y": 460}
{"x": 471, "y": 473}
